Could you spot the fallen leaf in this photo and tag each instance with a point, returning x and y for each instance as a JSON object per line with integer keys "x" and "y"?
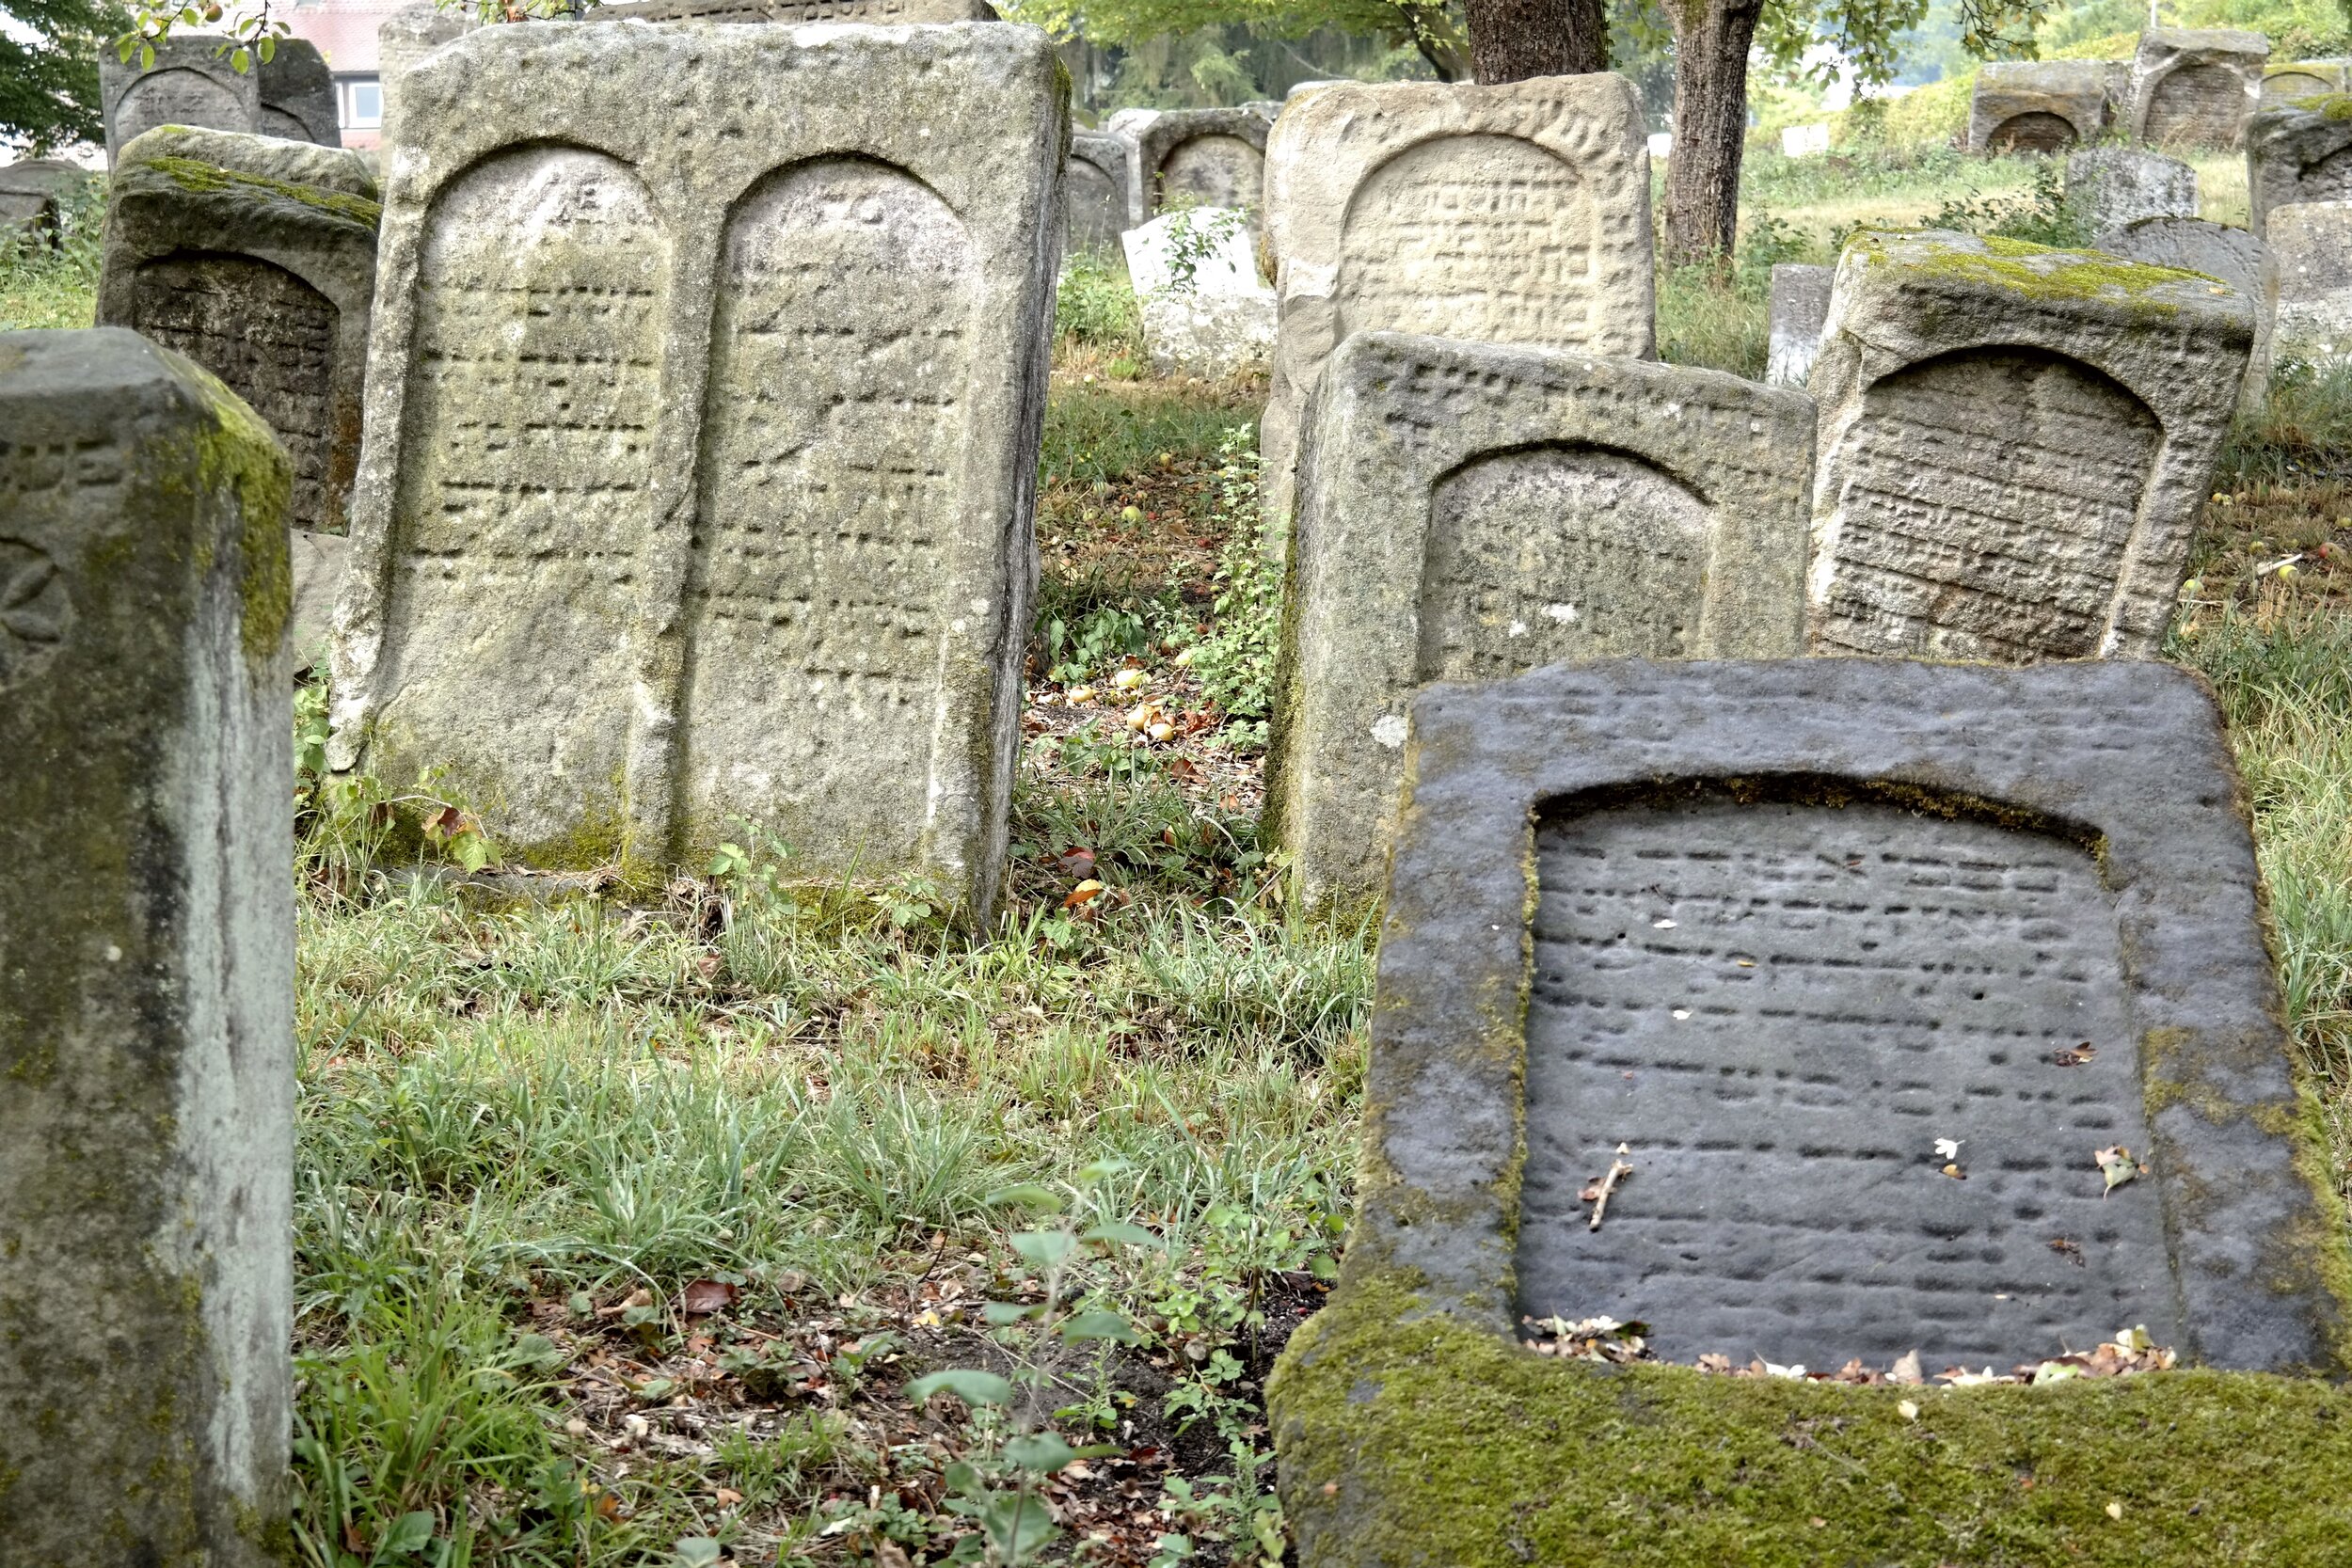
{"x": 1082, "y": 895}
{"x": 2076, "y": 1056}
{"x": 1076, "y": 861}
{"x": 2117, "y": 1166}
{"x": 1906, "y": 1371}
{"x": 706, "y": 1296}
{"x": 1948, "y": 1148}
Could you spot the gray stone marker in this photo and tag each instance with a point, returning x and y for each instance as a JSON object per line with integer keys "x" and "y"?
{"x": 405, "y": 37}
{"x": 1199, "y": 158}
{"x": 1096, "y": 189}
{"x": 256, "y": 258}
{"x": 299, "y": 95}
{"x": 2231, "y": 255}
{"x": 188, "y": 84}
{"x": 2195, "y": 87}
{"x": 2040, "y": 105}
{"x": 1800, "y": 305}
{"x": 2301, "y": 152}
{"x": 2110, "y": 187}
{"x": 1517, "y": 213}
{"x": 146, "y": 997}
{"x": 29, "y": 193}
{"x": 700, "y": 446}
{"x": 2312, "y": 241}
{"x": 2016, "y": 447}
{"x": 2297, "y": 79}
{"x": 1470, "y": 511}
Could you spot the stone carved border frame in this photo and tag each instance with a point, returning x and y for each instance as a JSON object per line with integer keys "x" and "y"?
{"x": 188, "y": 52}
{"x": 2165, "y": 51}
{"x": 1171, "y": 129}
{"x": 2132, "y": 752}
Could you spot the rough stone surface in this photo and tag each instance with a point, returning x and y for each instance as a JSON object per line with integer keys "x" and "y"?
{"x": 2110, "y": 187}
{"x": 1197, "y": 158}
{"x": 405, "y": 37}
{"x": 2297, "y": 79}
{"x": 147, "y": 996}
{"x": 31, "y": 191}
{"x": 188, "y": 84}
{"x": 255, "y": 256}
{"x": 2312, "y": 241}
{"x": 2195, "y": 87}
{"x": 1471, "y": 511}
{"x": 299, "y": 95}
{"x": 2015, "y": 446}
{"x": 1096, "y": 188}
{"x": 2040, "y": 105}
{"x": 2301, "y": 152}
{"x": 878, "y": 12}
{"x": 1800, "y": 304}
{"x": 2231, "y": 255}
{"x": 1517, "y": 213}
{"x": 318, "y": 577}
{"x": 702, "y": 445}
{"x": 1205, "y": 311}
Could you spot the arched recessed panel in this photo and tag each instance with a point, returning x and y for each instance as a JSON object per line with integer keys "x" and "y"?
{"x": 2328, "y": 180}
{"x": 1097, "y": 209}
{"x": 832, "y": 434}
{"x": 177, "y": 98}
{"x": 1212, "y": 171}
{"x": 2036, "y": 132}
{"x": 266, "y": 333}
{"x": 2287, "y": 85}
{"x": 277, "y": 122}
{"x": 1985, "y": 502}
{"x": 526, "y": 503}
{"x": 2198, "y": 105}
{"x": 1483, "y": 236}
{"x": 1558, "y": 553}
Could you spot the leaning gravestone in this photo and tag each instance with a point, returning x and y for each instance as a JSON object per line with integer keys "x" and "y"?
{"x": 1213, "y": 316}
{"x": 2040, "y": 105}
{"x": 299, "y": 95}
{"x": 188, "y": 84}
{"x": 2015, "y": 446}
{"x": 1470, "y": 511}
{"x": 1800, "y": 304}
{"x": 30, "y": 192}
{"x": 1769, "y": 933}
{"x": 2312, "y": 241}
{"x": 2109, "y": 186}
{"x": 1199, "y": 158}
{"x": 2301, "y": 152}
{"x": 700, "y": 446}
{"x": 2231, "y": 255}
{"x": 2195, "y": 89}
{"x": 1511, "y": 213}
{"x": 146, "y": 997}
{"x": 405, "y": 37}
{"x": 1095, "y": 191}
{"x": 2298, "y": 79}
{"x": 255, "y": 257}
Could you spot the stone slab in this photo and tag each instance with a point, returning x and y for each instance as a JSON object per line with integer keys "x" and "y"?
{"x": 1097, "y": 186}
{"x": 255, "y": 256}
{"x": 2291, "y": 80}
{"x": 2195, "y": 87}
{"x": 2040, "y": 105}
{"x": 405, "y": 36}
{"x": 2312, "y": 241}
{"x": 2016, "y": 447}
{"x": 1205, "y": 311}
{"x": 2232, "y": 255}
{"x": 299, "y": 95}
{"x": 2109, "y": 186}
{"x": 146, "y": 997}
{"x": 1799, "y": 306}
{"x": 1517, "y": 213}
{"x": 188, "y": 84}
{"x": 2299, "y": 152}
{"x": 1197, "y": 158}
{"x": 701, "y": 447}
{"x": 31, "y": 191}
{"x": 1471, "y": 511}
{"x": 318, "y": 561}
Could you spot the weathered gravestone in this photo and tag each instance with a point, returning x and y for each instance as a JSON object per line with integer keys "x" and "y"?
{"x": 1511, "y": 213}
{"x": 2109, "y": 186}
{"x": 30, "y": 192}
{"x": 2015, "y": 445}
{"x": 2195, "y": 89}
{"x": 1205, "y": 311}
{"x": 700, "y": 446}
{"x": 1199, "y": 158}
{"x": 2040, "y": 105}
{"x": 299, "y": 95}
{"x": 877, "y": 13}
{"x": 405, "y": 37}
{"x": 255, "y": 257}
{"x": 2231, "y": 255}
{"x": 2297, "y": 79}
{"x": 2301, "y": 153}
{"x": 1095, "y": 190}
{"x": 188, "y": 84}
{"x": 2312, "y": 241}
{"x": 146, "y": 962}
{"x": 1766, "y": 933}
{"x": 1470, "y": 511}
{"x": 1800, "y": 304}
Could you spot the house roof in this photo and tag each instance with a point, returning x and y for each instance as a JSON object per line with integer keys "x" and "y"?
{"x": 344, "y": 30}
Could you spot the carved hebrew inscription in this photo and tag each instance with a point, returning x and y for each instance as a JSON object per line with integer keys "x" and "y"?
{"x": 1096, "y": 208}
{"x": 529, "y": 424}
{"x": 1478, "y": 236}
{"x": 177, "y": 98}
{"x": 1558, "y": 553}
{"x": 266, "y": 333}
{"x": 2200, "y": 103}
{"x": 1213, "y": 171}
{"x": 1988, "y": 497}
{"x": 1780, "y": 1007}
{"x": 829, "y": 484}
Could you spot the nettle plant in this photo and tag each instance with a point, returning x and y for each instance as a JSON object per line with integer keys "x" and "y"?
{"x": 1193, "y": 238}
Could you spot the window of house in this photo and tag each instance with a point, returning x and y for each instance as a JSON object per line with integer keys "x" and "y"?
{"x": 362, "y": 102}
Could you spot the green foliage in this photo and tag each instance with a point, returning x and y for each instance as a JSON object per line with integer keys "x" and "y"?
{"x": 1235, "y": 660}
{"x": 1191, "y": 240}
{"x": 2041, "y": 215}
{"x": 1094, "y": 303}
{"x": 1430, "y": 27}
{"x": 49, "y": 72}
{"x": 1093, "y": 644}
{"x": 52, "y": 281}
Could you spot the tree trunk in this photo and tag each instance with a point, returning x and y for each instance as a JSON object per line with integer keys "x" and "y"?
{"x": 1711, "y": 40}
{"x": 1514, "y": 39}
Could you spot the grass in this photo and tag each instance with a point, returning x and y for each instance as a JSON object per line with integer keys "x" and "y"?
{"x": 54, "y": 282}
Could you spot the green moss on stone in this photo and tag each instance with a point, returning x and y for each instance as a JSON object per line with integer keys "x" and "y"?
{"x": 241, "y": 454}
{"x": 2331, "y": 106}
{"x": 2041, "y": 272}
{"x": 194, "y": 174}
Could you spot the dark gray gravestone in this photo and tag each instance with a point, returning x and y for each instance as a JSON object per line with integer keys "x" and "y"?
{"x": 30, "y": 192}
{"x": 1783, "y": 926}
{"x": 189, "y": 84}
{"x": 1096, "y": 186}
{"x": 1800, "y": 307}
{"x": 1199, "y": 158}
{"x": 299, "y": 95}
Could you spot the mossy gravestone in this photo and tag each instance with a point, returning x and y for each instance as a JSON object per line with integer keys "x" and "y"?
{"x": 146, "y": 962}
{"x": 1471, "y": 511}
{"x": 2299, "y": 152}
{"x": 2221, "y": 252}
{"x": 255, "y": 256}
{"x": 2016, "y": 447}
{"x": 1516, "y": 212}
{"x": 2196, "y": 86}
{"x": 1774, "y": 929}
{"x": 702, "y": 443}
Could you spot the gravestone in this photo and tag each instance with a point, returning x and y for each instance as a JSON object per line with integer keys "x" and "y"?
{"x": 188, "y": 84}
{"x": 2301, "y": 152}
{"x": 299, "y": 95}
{"x": 1800, "y": 304}
{"x": 1470, "y": 511}
{"x": 2231, "y": 255}
{"x": 1197, "y": 158}
{"x": 1516, "y": 212}
{"x": 2195, "y": 87}
{"x": 699, "y": 467}
{"x": 874, "y": 12}
{"x": 2109, "y": 186}
{"x": 405, "y": 37}
{"x": 2312, "y": 241}
{"x": 30, "y": 192}
{"x": 1126, "y": 122}
{"x": 147, "y": 999}
{"x": 1205, "y": 311}
{"x": 1765, "y": 933}
{"x": 255, "y": 256}
{"x": 2016, "y": 447}
{"x": 318, "y": 561}
{"x": 1095, "y": 189}
{"x": 2040, "y": 105}
{"x": 2297, "y": 79}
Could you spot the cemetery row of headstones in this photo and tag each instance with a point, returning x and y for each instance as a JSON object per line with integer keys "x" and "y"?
{"x": 2181, "y": 88}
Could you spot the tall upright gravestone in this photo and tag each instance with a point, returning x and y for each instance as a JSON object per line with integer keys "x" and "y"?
{"x": 1471, "y": 511}
{"x": 2015, "y": 445}
{"x": 701, "y": 445}
{"x": 1516, "y": 212}
{"x": 2296, "y": 152}
{"x": 195, "y": 82}
{"x": 2109, "y": 186}
{"x": 2195, "y": 87}
{"x": 2312, "y": 241}
{"x": 1199, "y": 158}
{"x": 2219, "y": 250}
{"x": 146, "y": 962}
{"x": 1098, "y": 189}
{"x": 405, "y": 36}
{"x": 2040, "y": 105}
{"x": 1797, "y": 308}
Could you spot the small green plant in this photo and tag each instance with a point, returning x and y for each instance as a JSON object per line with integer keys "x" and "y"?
{"x": 2040, "y": 215}
{"x": 1094, "y": 303}
{"x": 1191, "y": 240}
{"x": 1235, "y": 660}
{"x": 1102, "y": 637}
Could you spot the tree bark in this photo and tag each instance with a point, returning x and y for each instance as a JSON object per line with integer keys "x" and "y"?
{"x": 1514, "y": 39}
{"x": 1711, "y": 40}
